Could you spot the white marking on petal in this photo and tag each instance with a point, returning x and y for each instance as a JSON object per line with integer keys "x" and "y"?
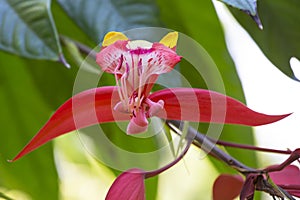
{"x": 135, "y": 44}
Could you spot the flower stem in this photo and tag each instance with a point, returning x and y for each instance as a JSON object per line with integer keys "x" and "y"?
{"x": 189, "y": 138}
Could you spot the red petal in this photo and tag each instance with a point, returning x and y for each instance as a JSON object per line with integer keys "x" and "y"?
{"x": 200, "y": 105}
{"x": 227, "y": 187}
{"x": 84, "y": 109}
{"x": 129, "y": 185}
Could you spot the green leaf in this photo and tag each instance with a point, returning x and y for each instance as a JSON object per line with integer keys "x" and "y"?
{"x": 248, "y": 6}
{"x": 279, "y": 39}
{"x": 27, "y": 29}
{"x": 97, "y": 17}
{"x": 198, "y": 20}
{"x": 23, "y": 111}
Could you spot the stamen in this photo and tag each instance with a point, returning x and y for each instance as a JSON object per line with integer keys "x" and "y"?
{"x": 127, "y": 70}
{"x": 133, "y": 114}
{"x": 140, "y": 88}
{"x": 120, "y": 62}
{"x": 124, "y": 89}
{"x": 140, "y": 67}
{"x": 121, "y": 94}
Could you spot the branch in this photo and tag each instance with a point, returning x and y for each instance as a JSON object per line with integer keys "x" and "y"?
{"x": 81, "y": 47}
{"x": 249, "y": 147}
{"x": 210, "y": 147}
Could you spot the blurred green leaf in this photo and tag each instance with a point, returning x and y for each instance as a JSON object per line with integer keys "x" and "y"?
{"x": 23, "y": 112}
{"x": 248, "y": 6}
{"x": 97, "y": 17}
{"x": 199, "y": 21}
{"x": 280, "y": 37}
{"x": 27, "y": 29}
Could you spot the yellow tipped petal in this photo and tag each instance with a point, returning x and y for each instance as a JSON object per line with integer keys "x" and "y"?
{"x": 112, "y": 37}
{"x": 170, "y": 40}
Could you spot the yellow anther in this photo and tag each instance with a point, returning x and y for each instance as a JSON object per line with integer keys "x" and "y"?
{"x": 112, "y": 37}
{"x": 170, "y": 40}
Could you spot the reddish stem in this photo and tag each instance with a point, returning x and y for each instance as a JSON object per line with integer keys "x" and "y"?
{"x": 250, "y": 147}
{"x": 295, "y": 155}
{"x": 153, "y": 173}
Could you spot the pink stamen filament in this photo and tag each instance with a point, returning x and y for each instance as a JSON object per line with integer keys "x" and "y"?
{"x": 132, "y": 81}
{"x": 134, "y": 101}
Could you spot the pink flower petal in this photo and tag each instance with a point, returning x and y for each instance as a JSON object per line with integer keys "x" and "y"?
{"x": 110, "y": 57}
{"x": 227, "y": 187}
{"x": 129, "y": 185}
{"x": 200, "y": 105}
{"x": 154, "y": 59}
{"x": 84, "y": 109}
{"x": 137, "y": 124}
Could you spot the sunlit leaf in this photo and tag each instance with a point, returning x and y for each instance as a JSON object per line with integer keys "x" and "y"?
{"x": 27, "y": 29}
{"x": 280, "y": 35}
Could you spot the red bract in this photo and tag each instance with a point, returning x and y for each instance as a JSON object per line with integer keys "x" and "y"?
{"x": 129, "y": 185}
{"x": 136, "y": 66}
{"x": 288, "y": 179}
{"x": 227, "y": 187}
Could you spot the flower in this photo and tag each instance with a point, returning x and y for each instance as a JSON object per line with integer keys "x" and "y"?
{"x": 136, "y": 65}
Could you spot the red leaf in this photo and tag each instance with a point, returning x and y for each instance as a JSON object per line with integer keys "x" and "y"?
{"x": 227, "y": 187}
{"x": 84, "y": 109}
{"x": 200, "y": 105}
{"x": 128, "y": 186}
